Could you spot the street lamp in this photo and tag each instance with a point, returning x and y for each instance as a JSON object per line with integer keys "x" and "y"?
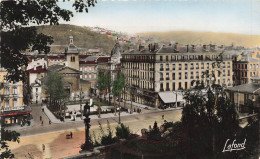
{"x": 88, "y": 145}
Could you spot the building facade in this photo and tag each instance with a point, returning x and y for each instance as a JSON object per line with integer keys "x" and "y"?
{"x": 13, "y": 110}
{"x": 245, "y": 67}
{"x": 170, "y": 68}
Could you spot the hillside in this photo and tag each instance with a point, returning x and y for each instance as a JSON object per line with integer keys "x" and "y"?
{"x": 83, "y": 37}
{"x": 190, "y": 37}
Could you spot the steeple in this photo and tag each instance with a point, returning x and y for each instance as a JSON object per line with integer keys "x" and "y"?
{"x": 71, "y": 39}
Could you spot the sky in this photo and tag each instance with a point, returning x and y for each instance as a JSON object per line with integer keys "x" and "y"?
{"x": 134, "y": 16}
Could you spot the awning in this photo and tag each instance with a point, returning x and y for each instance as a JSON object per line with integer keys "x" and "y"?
{"x": 26, "y": 110}
{"x": 170, "y": 97}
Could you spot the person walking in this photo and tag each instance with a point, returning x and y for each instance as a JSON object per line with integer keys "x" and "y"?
{"x": 163, "y": 117}
{"x": 42, "y": 123}
{"x": 40, "y": 118}
{"x": 71, "y": 135}
{"x": 49, "y": 122}
{"x": 43, "y": 147}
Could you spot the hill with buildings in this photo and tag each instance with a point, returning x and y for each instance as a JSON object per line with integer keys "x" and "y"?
{"x": 83, "y": 37}
{"x": 190, "y": 37}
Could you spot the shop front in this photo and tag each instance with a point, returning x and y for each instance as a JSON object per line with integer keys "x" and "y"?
{"x": 18, "y": 116}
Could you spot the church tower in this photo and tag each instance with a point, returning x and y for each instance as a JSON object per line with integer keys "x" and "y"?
{"x": 72, "y": 54}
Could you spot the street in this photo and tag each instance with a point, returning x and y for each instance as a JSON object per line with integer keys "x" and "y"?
{"x": 53, "y": 136}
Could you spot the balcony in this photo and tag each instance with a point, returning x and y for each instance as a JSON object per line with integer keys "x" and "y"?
{"x": 161, "y": 69}
{"x": 167, "y": 78}
{"x": 167, "y": 69}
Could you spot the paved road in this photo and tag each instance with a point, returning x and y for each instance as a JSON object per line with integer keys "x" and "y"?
{"x": 37, "y": 128}
{"x": 54, "y": 136}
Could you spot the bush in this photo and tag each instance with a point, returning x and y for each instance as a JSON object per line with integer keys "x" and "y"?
{"x": 107, "y": 139}
{"x": 122, "y": 131}
{"x": 154, "y": 133}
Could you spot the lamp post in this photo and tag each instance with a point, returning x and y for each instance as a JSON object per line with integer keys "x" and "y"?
{"x": 88, "y": 145}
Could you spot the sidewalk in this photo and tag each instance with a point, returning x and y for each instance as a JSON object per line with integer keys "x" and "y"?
{"x": 18, "y": 127}
{"x": 53, "y": 119}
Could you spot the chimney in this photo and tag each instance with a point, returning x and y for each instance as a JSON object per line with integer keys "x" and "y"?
{"x": 71, "y": 39}
{"x": 177, "y": 47}
{"x": 34, "y": 67}
{"x": 205, "y": 47}
{"x": 187, "y": 47}
{"x": 193, "y": 47}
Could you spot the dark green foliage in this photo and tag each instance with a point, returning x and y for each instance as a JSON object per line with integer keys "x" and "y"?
{"x": 154, "y": 133}
{"x": 107, "y": 139}
{"x": 122, "y": 131}
{"x": 17, "y": 36}
{"x": 10, "y": 136}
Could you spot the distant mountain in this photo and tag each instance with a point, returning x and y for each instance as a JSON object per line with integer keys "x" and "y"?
{"x": 190, "y": 37}
{"x": 82, "y": 36}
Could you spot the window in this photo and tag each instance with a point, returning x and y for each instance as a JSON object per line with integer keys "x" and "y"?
{"x": 161, "y": 58}
{"x": 180, "y": 85}
{"x": 173, "y": 86}
{"x": 15, "y": 90}
{"x": 207, "y": 65}
{"x": 72, "y": 58}
{"x": 167, "y": 76}
{"x": 179, "y": 66}
{"x": 161, "y": 87}
{"x": 186, "y": 66}
{"x": 15, "y": 102}
{"x": 186, "y": 85}
{"x": 167, "y": 58}
{"x": 80, "y": 68}
{"x": 161, "y": 67}
{"x": 186, "y": 75}
{"x": 180, "y": 75}
{"x": 173, "y": 76}
{"x": 173, "y": 66}
{"x": 7, "y": 103}
{"x": 197, "y": 65}
{"x": 173, "y": 58}
{"x": 191, "y": 75}
{"x": 36, "y": 89}
{"x": 202, "y": 65}
{"x": 6, "y": 91}
{"x": 167, "y": 67}
{"x": 161, "y": 76}
{"x": 167, "y": 87}
{"x": 191, "y": 66}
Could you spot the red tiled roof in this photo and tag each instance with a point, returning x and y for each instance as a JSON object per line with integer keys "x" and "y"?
{"x": 56, "y": 57}
{"x": 39, "y": 69}
{"x": 83, "y": 56}
{"x": 87, "y": 62}
{"x": 103, "y": 59}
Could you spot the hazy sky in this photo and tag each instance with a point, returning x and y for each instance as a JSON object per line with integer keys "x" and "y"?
{"x": 233, "y": 16}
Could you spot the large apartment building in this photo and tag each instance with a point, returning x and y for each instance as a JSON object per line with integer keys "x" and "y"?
{"x": 12, "y": 107}
{"x": 169, "y": 68}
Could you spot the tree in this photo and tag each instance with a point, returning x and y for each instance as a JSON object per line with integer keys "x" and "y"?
{"x": 18, "y": 34}
{"x": 208, "y": 119}
{"x": 102, "y": 86}
{"x": 7, "y": 135}
{"x": 55, "y": 89}
{"x": 118, "y": 86}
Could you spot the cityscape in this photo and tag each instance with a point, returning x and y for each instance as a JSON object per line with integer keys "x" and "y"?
{"x": 74, "y": 89}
